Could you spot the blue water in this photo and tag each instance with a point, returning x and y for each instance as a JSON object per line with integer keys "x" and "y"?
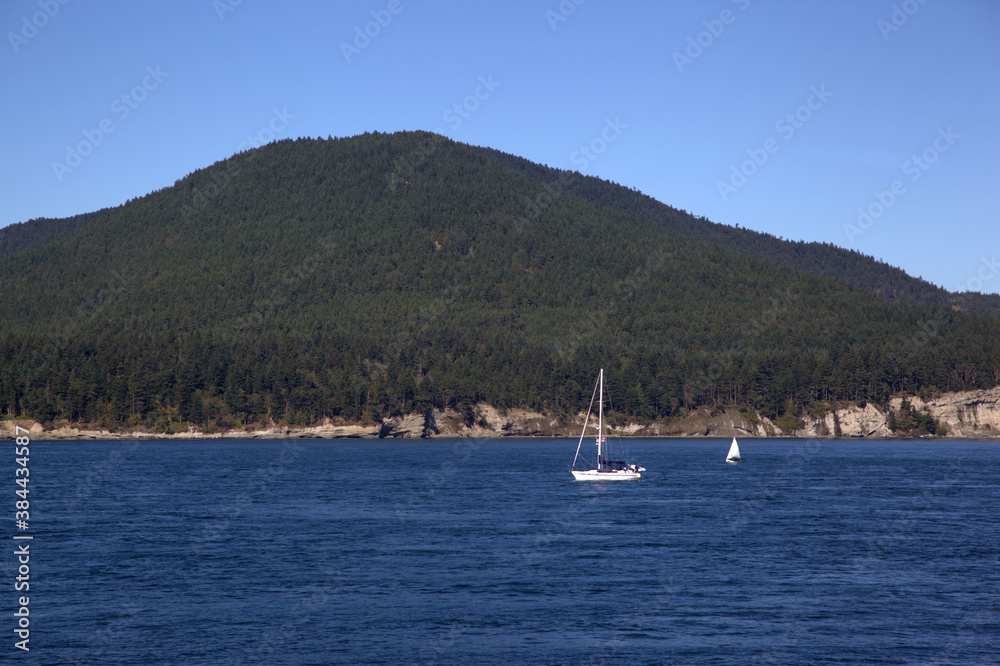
{"x": 466, "y": 552}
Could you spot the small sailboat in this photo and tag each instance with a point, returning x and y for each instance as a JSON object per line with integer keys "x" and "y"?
{"x": 606, "y": 469}
{"x": 734, "y": 453}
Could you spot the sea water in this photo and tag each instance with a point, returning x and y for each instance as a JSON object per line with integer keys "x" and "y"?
{"x": 487, "y": 551}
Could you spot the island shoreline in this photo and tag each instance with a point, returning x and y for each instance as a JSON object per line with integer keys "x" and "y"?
{"x": 968, "y": 415}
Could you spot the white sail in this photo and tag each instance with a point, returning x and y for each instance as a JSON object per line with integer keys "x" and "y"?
{"x": 605, "y": 470}
{"x": 734, "y": 452}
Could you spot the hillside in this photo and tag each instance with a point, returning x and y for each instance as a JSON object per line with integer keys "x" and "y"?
{"x": 17, "y": 237}
{"x": 370, "y": 277}
{"x": 822, "y": 259}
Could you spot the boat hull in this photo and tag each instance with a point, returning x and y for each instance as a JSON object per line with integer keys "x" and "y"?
{"x": 604, "y": 475}
{"x": 734, "y": 461}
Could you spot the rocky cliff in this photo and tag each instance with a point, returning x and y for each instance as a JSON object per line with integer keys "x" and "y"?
{"x": 973, "y": 414}
{"x": 967, "y": 414}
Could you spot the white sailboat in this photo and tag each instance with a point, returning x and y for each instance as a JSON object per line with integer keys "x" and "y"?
{"x": 606, "y": 469}
{"x": 734, "y": 453}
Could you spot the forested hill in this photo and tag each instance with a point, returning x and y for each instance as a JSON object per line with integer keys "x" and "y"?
{"x": 23, "y": 235}
{"x": 823, "y": 259}
{"x": 365, "y": 277}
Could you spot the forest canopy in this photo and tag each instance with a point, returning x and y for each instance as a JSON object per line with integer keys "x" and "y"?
{"x": 382, "y": 274}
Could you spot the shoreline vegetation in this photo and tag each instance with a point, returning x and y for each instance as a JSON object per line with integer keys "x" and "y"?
{"x": 959, "y": 415}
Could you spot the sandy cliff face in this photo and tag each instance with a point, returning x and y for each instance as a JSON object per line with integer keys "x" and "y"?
{"x": 967, "y": 414}
{"x": 850, "y": 421}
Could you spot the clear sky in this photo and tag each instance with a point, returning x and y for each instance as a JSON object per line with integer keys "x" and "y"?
{"x": 869, "y": 124}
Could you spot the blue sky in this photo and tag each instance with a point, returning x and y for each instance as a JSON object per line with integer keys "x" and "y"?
{"x": 871, "y": 125}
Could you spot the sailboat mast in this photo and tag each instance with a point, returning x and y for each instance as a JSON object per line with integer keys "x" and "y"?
{"x": 600, "y": 418}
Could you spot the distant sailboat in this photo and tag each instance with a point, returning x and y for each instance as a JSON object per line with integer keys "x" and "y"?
{"x": 606, "y": 470}
{"x": 734, "y": 453}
